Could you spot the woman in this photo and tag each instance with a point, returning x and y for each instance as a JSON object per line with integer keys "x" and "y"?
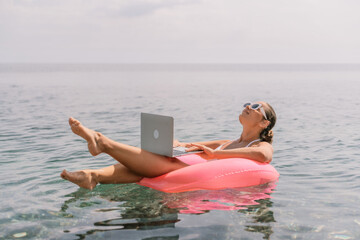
{"x": 134, "y": 163}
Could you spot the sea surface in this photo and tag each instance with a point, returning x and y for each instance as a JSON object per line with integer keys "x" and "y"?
{"x": 316, "y": 150}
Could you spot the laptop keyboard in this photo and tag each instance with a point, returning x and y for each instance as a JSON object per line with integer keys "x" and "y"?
{"x": 178, "y": 152}
{"x": 181, "y": 151}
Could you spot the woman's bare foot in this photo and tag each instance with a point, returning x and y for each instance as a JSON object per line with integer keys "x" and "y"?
{"x": 84, "y": 179}
{"x": 89, "y": 135}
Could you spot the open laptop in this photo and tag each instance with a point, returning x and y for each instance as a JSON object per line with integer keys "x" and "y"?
{"x": 157, "y": 135}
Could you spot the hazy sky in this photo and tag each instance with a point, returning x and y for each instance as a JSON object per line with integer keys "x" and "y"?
{"x": 180, "y": 31}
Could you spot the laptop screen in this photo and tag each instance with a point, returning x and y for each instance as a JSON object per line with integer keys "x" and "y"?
{"x": 157, "y": 133}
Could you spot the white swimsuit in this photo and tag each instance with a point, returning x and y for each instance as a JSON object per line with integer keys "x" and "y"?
{"x": 256, "y": 140}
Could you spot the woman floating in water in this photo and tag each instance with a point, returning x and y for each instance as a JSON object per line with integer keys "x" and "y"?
{"x": 135, "y": 163}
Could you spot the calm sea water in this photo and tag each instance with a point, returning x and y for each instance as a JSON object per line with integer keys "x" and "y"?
{"x": 317, "y": 151}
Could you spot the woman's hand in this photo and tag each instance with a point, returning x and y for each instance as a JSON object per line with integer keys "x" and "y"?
{"x": 176, "y": 143}
{"x": 208, "y": 151}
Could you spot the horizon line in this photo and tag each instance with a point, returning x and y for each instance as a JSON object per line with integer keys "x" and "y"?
{"x": 173, "y": 67}
{"x": 188, "y": 63}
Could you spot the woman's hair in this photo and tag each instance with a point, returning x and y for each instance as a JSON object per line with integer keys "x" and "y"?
{"x": 267, "y": 134}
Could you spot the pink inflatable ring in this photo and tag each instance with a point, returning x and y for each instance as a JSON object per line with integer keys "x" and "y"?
{"x": 213, "y": 175}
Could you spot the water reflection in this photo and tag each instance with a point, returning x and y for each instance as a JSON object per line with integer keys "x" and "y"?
{"x": 139, "y": 208}
{"x": 226, "y": 199}
{"x": 260, "y": 213}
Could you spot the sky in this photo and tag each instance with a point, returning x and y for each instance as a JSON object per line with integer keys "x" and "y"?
{"x": 179, "y": 31}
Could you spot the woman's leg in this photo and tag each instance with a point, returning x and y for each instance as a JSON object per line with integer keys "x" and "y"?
{"x": 117, "y": 173}
{"x": 138, "y": 161}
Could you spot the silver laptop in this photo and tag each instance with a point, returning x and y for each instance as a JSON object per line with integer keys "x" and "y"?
{"x": 157, "y": 135}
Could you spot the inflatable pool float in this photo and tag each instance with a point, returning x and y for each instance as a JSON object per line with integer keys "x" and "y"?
{"x": 202, "y": 174}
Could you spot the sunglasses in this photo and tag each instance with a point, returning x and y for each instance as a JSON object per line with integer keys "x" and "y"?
{"x": 256, "y": 106}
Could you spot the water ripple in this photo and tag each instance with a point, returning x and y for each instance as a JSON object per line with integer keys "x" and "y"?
{"x": 315, "y": 151}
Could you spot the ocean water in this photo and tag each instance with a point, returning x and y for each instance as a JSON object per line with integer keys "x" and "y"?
{"x": 316, "y": 151}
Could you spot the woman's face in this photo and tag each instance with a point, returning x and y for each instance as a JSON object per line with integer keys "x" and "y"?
{"x": 252, "y": 116}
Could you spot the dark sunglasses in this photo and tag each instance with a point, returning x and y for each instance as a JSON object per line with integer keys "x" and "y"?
{"x": 256, "y": 106}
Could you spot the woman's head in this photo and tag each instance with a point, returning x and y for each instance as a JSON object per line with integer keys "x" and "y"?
{"x": 260, "y": 116}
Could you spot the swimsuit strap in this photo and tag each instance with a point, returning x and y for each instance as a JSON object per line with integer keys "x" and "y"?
{"x": 256, "y": 140}
{"x": 219, "y": 147}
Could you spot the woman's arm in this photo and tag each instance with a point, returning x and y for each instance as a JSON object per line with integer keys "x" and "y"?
{"x": 211, "y": 144}
{"x": 261, "y": 152}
